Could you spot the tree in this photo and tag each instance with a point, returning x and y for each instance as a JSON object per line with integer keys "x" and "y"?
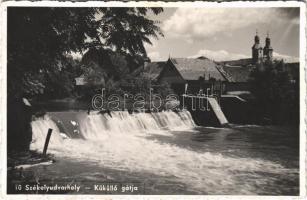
{"x": 61, "y": 83}
{"x": 276, "y": 97}
{"x": 38, "y": 38}
{"x": 41, "y": 38}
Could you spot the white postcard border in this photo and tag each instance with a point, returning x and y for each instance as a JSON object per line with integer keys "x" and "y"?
{"x": 3, "y": 103}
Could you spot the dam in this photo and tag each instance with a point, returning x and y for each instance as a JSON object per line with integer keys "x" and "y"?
{"x": 205, "y": 110}
{"x": 166, "y": 153}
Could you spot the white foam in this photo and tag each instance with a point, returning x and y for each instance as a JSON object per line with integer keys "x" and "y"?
{"x": 122, "y": 142}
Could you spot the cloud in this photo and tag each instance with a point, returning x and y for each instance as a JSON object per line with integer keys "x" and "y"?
{"x": 151, "y": 46}
{"x": 223, "y": 55}
{"x": 286, "y": 58}
{"x": 220, "y": 55}
{"x": 154, "y": 56}
{"x": 291, "y": 13}
{"x": 200, "y": 23}
{"x": 152, "y": 50}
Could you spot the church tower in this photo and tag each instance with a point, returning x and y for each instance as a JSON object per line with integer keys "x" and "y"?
{"x": 257, "y": 50}
{"x": 267, "y": 50}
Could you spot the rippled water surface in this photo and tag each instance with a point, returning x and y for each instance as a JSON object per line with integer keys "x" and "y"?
{"x": 167, "y": 154}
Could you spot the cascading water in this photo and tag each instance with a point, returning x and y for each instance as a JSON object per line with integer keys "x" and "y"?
{"x": 40, "y": 128}
{"x": 98, "y": 126}
{"x": 144, "y": 143}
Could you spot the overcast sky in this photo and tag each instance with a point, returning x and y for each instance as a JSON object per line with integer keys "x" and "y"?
{"x": 225, "y": 33}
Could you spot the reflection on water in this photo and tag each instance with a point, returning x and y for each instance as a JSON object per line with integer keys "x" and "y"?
{"x": 167, "y": 153}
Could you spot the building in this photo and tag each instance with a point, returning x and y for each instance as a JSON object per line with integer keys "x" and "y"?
{"x": 260, "y": 54}
{"x": 256, "y": 50}
{"x": 237, "y": 77}
{"x": 199, "y": 73}
{"x": 238, "y": 71}
{"x": 225, "y": 77}
{"x": 267, "y": 50}
{"x": 152, "y": 70}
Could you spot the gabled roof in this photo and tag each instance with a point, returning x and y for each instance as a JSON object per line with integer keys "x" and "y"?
{"x": 193, "y": 68}
{"x": 236, "y": 73}
{"x": 152, "y": 70}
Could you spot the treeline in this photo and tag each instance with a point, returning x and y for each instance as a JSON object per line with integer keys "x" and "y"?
{"x": 275, "y": 86}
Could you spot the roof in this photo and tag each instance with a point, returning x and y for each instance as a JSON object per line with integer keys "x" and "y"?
{"x": 244, "y": 61}
{"x": 236, "y": 73}
{"x": 153, "y": 69}
{"x": 193, "y": 68}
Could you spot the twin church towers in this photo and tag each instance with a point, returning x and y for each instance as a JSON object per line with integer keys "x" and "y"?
{"x": 260, "y": 54}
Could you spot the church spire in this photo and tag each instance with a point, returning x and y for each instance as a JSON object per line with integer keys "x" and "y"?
{"x": 256, "y": 49}
{"x": 267, "y": 40}
{"x": 268, "y": 50}
{"x": 257, "y": 40}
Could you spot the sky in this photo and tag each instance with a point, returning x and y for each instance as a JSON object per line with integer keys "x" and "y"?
{"x": 225, "y": 33}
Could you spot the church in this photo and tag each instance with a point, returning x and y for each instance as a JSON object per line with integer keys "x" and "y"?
{"x": 260, "y": 54}
{"x": 224, "y": 77}
{"x": 228, "y": 81}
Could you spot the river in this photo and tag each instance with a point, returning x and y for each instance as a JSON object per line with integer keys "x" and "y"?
{"x": 166, "y": 153}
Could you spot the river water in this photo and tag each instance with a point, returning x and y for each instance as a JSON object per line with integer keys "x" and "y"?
{"x": 166, "y": 153}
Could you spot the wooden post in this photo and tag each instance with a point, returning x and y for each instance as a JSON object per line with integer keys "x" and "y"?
{"x": 47, "y": 141}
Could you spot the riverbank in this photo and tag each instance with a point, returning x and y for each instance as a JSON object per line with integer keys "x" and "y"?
{"x": 19, "y": 169}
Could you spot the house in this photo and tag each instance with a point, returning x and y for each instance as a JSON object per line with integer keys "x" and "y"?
{"x": 199, "y": 73}
{"x": 237, "y": 77}
{"x": 81, "y": 80}
{"x": 239, "y": 80}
